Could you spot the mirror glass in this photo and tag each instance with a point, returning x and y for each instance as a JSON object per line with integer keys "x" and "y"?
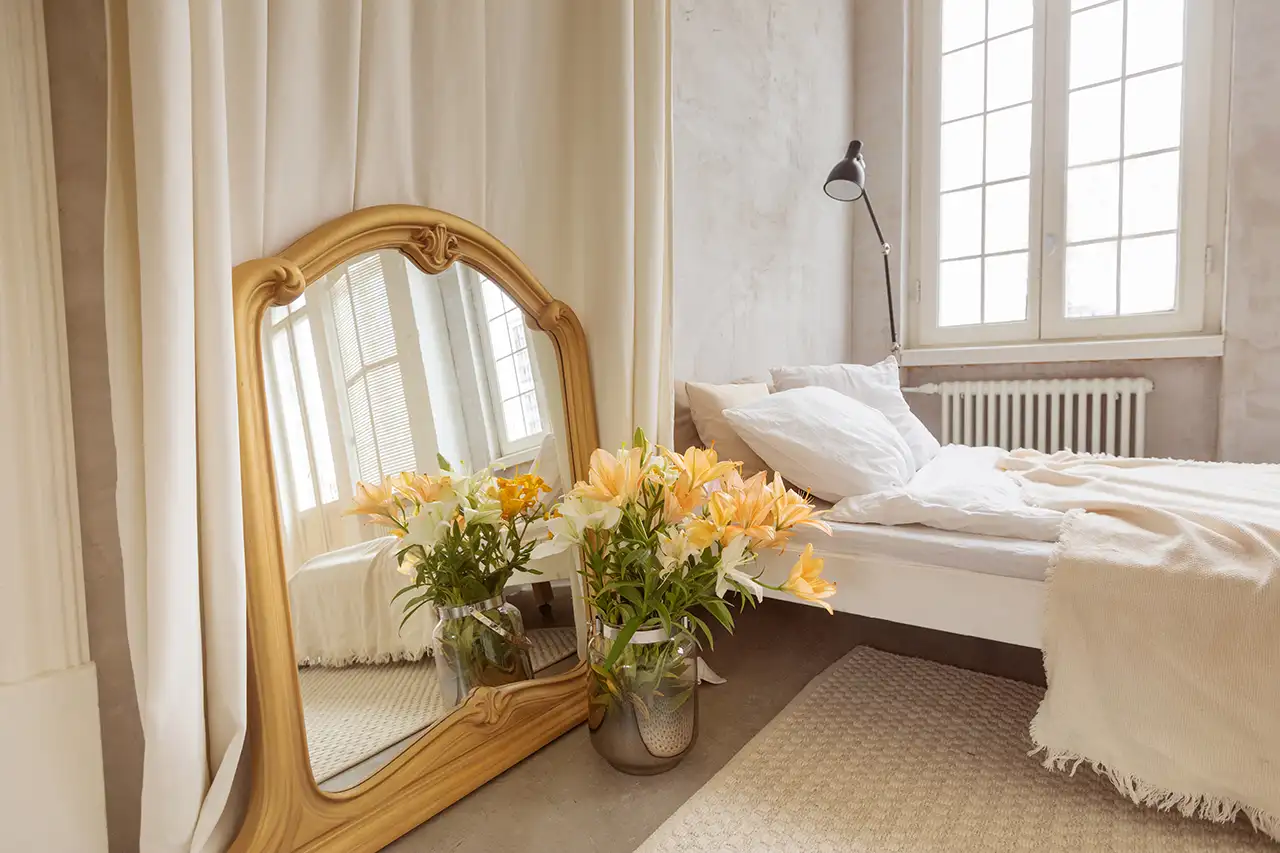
{"x": 382, "y": 375}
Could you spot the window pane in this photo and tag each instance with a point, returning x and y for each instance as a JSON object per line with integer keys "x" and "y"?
{"x": 1009, "y": 70}
{"x": 391, "y": 423}
{"x": 1091, "y": 280}
{"x": 290, "y": 427}
{"x": 362, "y": 428}
{"x": 960, "y": 293}
{"x": 1076, "y": 5}
{"x": 1096, "y": 41}
{"x": 963, "y": 22}
{"x": 1151, "y": 194}
{"x": 524, "y": 371}
{"x": 313, "y": 403}
{"x": 1093, "y": 202}
{"x": 962, "y": 85}
{"x": 532, "y": 418}
{"x": 1004, "y": 16}
{"x": 493, "y": 299}
{"x": 1154, "y": 34}
{"x": 498, "y": 337}
{"x": 276, "y": 313}
{"x": 1149, "y": 274}
{"x": 1007, "y": 223}
{"x": 515, "y": 329}
{"x": 372, "y": 310}
{"x": 1093, "y": 131}
{"x": 962, "y": 153}
{"x": 513, "y": 418}
{"x": 1009, "y": 143}
{"x": 961, "y": 224}
{"x": 1004, "y": 292}
{"x": 1153, "y": 111}
{"x": 506, "y": 372}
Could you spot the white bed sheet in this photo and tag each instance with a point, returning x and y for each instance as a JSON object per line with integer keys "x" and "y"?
{"x": 915, "y": 543}
{"x": 960, "y": 489}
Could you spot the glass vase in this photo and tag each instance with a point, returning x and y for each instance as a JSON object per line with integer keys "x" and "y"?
{"x": 643, "y": 712}
{"x": 481, "y": 644}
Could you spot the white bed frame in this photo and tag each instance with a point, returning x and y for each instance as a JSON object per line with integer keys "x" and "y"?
{"x": 959, "y": 601}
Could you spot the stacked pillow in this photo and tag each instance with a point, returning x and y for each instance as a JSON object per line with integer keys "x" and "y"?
{"x": 837, "y": 430}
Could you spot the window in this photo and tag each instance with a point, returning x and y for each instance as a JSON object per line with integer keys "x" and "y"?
{"x": 509, "y": 362}
{"x": 309, "y": 470}
{"x": 371, "y": 376}
{"x": 1067, "y": 154}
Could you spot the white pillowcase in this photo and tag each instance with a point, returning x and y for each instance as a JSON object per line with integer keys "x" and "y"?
{"x": 960, "y": 489}
{"x": 877, "y": 386}
{"x": 823, "y": 441}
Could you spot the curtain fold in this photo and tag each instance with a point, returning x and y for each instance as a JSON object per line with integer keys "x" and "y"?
{"x": 236, "y": 127}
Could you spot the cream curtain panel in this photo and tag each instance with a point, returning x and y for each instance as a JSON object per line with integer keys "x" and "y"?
{"x": 236, "y": 127}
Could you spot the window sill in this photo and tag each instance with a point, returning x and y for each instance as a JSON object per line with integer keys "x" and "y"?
{"x": 1189, "y": 346}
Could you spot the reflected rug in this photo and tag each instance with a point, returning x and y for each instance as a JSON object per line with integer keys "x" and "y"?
{"x": 355, "y": 712}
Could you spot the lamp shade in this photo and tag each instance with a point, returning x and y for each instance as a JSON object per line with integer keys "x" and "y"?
{"x": 849, "y": 176}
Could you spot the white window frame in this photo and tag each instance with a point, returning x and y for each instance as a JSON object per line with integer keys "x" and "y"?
{"x": 520, "y": 450}
{"x": 1206, "y": 90}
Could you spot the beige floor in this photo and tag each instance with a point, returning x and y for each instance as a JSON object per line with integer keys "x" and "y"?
{"x": 566, "y": 798}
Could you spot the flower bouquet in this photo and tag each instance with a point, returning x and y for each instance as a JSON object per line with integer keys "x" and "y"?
{"x": 665, "y": 539}
{"x": 462, "y": 537}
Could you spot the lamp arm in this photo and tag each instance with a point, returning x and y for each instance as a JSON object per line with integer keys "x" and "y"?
{"x": 888, "y": 284}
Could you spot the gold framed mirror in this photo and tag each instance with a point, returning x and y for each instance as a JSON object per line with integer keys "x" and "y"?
{"x": 380, "y": 337}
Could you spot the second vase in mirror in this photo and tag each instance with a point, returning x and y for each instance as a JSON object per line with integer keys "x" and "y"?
{"x": 417, "y": 428}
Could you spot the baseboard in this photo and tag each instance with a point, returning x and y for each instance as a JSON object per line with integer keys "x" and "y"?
{"x": 51, "y": 790}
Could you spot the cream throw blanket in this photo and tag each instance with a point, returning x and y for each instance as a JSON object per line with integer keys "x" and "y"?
{"x": 1162, "y": 629}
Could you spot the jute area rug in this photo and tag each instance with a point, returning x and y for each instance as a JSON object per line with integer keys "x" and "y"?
{"x": 355, "y": 712}
{"x": 886, "y": 754}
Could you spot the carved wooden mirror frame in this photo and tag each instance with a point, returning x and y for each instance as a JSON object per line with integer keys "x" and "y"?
{"x": 495, "y": 727}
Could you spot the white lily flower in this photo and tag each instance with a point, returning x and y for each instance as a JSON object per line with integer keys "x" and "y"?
{"x": 429, "y": 526}
{"x": 733, "y": 555}
{"x": 489, "y": 511}
{"x": 673, "y": 550}
{"x": 577, "y": 515}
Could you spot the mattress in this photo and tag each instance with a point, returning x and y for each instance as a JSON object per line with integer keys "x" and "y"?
{"x": 915, "y": 543}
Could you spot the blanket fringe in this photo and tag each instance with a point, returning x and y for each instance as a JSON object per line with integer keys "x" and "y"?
{"x": 352, "y": 658}
{"x": 1203, "y": 806}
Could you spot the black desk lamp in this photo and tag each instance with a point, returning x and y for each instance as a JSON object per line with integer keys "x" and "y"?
{"x": 847, "y": 182}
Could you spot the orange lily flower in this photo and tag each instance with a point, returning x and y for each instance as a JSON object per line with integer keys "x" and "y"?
{"x": 806, "y": 581}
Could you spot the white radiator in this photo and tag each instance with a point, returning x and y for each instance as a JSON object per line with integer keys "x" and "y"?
{"x": 1084, "y": 415}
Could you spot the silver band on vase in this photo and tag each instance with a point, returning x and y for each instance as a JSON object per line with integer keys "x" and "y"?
{"x": 639, "y": 638}
{"x": 468, "y": 609}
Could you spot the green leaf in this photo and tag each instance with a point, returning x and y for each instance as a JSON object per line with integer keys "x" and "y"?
{"x": 620, "y": 642}
{"x": 444, "y": 463}
{"x": 717, "y": 608}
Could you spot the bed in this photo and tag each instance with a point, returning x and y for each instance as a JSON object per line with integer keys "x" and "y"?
{"x": 965, "y": 583}
{"x": 983, "y": 577}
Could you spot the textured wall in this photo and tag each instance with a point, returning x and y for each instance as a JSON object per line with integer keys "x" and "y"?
{"x": 75, "y": 31}
{"x": 1250, "y": 426}
{"x": 763, "y": 109}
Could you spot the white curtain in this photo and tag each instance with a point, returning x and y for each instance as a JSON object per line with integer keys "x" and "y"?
{"x": 238, "y": 126}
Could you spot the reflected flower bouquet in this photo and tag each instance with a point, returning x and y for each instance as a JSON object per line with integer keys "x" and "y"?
{"x": 461, "y": 536}
{"x": 665, "y": 536}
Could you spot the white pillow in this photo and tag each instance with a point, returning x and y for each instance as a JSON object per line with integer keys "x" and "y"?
{"x": 707, "y": 403}
{"x": 961, "y": 489}
{"x": 825, "y": 442}
{"x": 876, "y": 385}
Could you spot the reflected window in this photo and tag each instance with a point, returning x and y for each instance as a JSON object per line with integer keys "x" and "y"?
{"x": 512, "y": 382}
{"x": 371, "y": 372}
{"x": 295, "y": 386}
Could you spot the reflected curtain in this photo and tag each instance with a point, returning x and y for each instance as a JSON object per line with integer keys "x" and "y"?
{"x": 236, "y": 127}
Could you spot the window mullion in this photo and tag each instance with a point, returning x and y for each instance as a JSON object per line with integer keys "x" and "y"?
{"x": 1052, "y": 125}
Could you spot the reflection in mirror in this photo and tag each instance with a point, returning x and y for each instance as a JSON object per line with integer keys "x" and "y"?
{"x": 376, "y": 370}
